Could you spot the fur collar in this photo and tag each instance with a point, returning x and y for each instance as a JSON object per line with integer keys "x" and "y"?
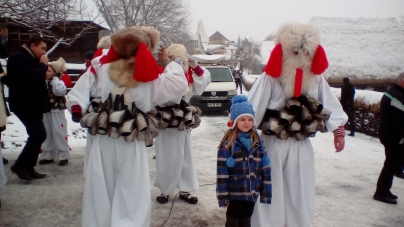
{"x": 121, "y": 72}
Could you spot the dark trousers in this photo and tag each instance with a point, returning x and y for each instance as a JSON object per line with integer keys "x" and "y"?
{"x": 391, "y": 165}
{"x": 351, "y": 120}
{"x": 238, "y": 84}
{"x": 36, "y": 135}
{"x": 239, "y": 213}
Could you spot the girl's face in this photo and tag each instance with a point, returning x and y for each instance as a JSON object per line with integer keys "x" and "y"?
{"x": 245, "y": 123}
{"x": 50, "y": 73}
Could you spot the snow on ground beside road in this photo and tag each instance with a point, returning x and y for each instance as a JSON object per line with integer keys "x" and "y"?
{"x": 345, "y": 183}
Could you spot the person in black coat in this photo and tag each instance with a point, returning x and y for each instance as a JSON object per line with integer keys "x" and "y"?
{"x": 391, "y": 135}
{"x": 347, "y": 102}
{"x": 26, "y": 70}
{"x": 237, "y": 79}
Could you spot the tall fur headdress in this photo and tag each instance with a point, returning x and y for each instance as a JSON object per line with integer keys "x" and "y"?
{"x": 130, "y": 55}
{"x": 296, "y": 58}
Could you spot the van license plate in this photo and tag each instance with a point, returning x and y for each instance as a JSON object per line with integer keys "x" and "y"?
{"x": 214, "y": 104}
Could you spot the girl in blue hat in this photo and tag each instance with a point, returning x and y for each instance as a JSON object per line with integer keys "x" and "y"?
{"x": 243, "y": 171}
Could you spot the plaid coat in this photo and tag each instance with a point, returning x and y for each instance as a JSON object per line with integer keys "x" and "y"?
{"x": 247, "y": 179}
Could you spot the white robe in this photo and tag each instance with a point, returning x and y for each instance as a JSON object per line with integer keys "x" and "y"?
{"x": 80, "y": 93}
{"x": 175, "y": 167}
{"x": 292, "y": 162}
{"x": 117, "y": 188}
{"x": 56, "y": 143}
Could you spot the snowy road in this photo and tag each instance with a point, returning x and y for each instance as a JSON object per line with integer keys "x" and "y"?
{"x": 345, "y": 184}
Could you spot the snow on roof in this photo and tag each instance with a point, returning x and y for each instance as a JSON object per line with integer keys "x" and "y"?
{"x": 266, "y": 48}
{"x": 368, "y": 50}
{"x": 202, "y": 58}
{"x": 366, "y": 96}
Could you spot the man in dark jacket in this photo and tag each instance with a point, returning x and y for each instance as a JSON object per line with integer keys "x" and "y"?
{"x": 347, "y": 102}
{"x": 237, "y": 79}
{"x": 26, "y": 70}
{"x": 391, "y": 135}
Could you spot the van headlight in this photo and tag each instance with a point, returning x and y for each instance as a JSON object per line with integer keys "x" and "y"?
{"x": 232, "y": 92}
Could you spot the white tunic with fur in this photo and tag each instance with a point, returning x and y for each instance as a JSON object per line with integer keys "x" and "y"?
{"x": 175, "y": 167}
{"x": 292, "y": 162}
{"x": 117, "y": 187}
{"x": 56, "y": 144}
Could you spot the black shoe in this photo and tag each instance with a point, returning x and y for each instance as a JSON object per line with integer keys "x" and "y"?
{"x": 392, "y": 195}
{"x": 5, "y": 161}
{"x": 351, "y": 134}
{"x": 384, "y": 199}
{"x": 63, "y": 162}
{"x": 163, "y": 199}
{"x": 35, "y": 175}
{"x": 186, "y": 196}
{"x": 400, "y": 175}
{"x": 21, "y": 173}
{"x": 44, "y": 162}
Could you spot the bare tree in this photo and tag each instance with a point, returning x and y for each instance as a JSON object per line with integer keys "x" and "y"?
{"x": 54, "y": 20}
{"x": 249, "y": 55}
{"x": 270, "y": 37}
{"x": 171, "y": 17}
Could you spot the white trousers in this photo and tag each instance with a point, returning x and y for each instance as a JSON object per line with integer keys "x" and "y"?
{"x": 3, "y": 179}
{"x": 293, "y": 185}
{"x": 56, "y": 143}
{"x": 175, "y": 167}
{"x": 117, "y": 189}
{"x": 89, "y": 142}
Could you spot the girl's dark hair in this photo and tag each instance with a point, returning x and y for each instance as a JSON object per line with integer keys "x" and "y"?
{"x": 232, "y": 134}
{"x": 36, "y": 39}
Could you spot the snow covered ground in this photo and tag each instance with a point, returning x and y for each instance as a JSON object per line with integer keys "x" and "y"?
{"x": 345, "y": 184}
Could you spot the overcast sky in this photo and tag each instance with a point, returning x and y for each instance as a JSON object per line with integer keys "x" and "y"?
{"x": 258, "y": 18}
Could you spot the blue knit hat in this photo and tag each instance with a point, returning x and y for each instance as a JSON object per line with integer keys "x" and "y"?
{"x": 240, "y": 107}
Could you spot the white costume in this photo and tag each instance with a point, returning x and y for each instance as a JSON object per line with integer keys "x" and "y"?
{"x": 80, "y": 92}
{"x": 56, "y": 143}
{"x": 292, "y": 161}
{"x": 175, "y": 167}
{"x": 117, "y": 187}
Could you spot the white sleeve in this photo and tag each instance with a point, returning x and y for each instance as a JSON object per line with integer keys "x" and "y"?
{"x": 331, "y": 102}
{"x": 80, "y": 93}
{"x": 58, "y": 87}
{"x": 171, "y": 85}
{"x": 259, "y": 96}
{"x": 200, "y": 82}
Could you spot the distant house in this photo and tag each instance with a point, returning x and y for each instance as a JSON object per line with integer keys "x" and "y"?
{"x": 370, "y": 51}
{"x": 12, "y": 36}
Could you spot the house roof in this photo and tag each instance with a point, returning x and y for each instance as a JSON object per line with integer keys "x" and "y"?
{"x": 368, "y": 50}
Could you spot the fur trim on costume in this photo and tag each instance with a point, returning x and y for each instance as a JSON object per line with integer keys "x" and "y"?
{"x": 178, "y": 50}
{"x": 104, "y": 42}
{"x": 121, "y": 72}
{"x": 299, "y": 44}
{"x": 154, "y": 37}
{"x": 127, "y": 40}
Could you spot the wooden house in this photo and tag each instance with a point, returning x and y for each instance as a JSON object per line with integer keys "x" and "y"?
{"x": 12, "y": 36}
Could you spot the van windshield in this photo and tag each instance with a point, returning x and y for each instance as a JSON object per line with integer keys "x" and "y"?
{"x": 220, "y": 75}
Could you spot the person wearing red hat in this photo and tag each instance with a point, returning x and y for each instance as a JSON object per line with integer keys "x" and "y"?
{"x": 87, "y": 88}
{"x": 175, "y": 168}
{"x": 292, "y": 102}
{"x": 117, "y": 188}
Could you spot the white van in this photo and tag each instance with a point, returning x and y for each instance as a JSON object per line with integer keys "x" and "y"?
{"x": 217, "y": 96}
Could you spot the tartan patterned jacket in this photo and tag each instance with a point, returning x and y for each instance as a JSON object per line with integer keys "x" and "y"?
{"x": 247, "y": 179}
